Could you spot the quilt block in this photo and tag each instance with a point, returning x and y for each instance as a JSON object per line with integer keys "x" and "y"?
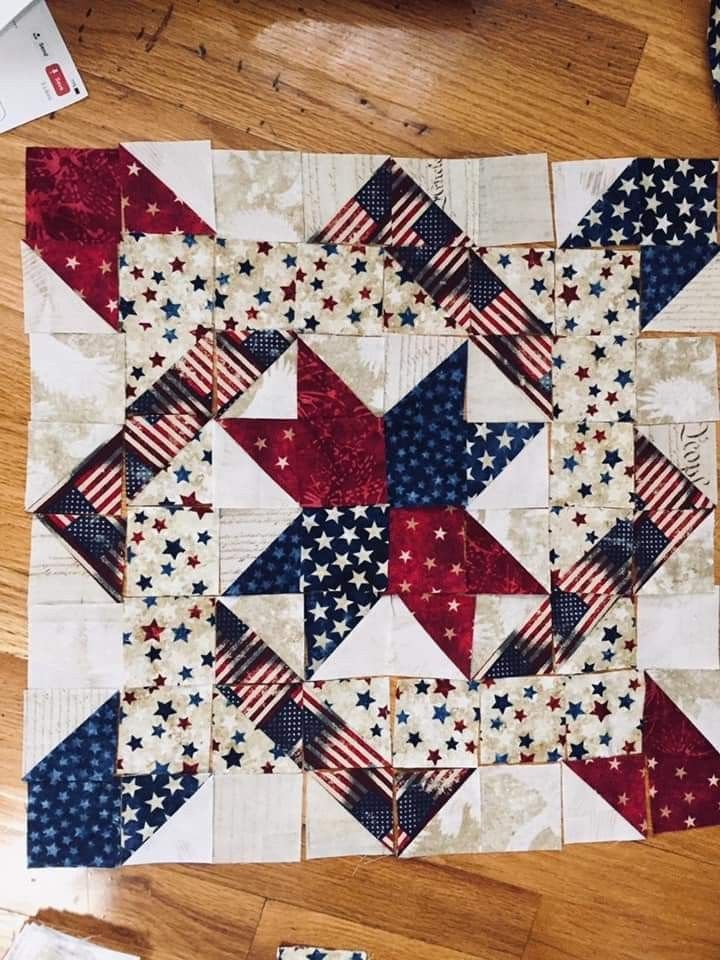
{"x": 368, "y": 518}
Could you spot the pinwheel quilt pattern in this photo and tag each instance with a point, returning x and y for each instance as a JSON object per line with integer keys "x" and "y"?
{"x": 373, "y": 504}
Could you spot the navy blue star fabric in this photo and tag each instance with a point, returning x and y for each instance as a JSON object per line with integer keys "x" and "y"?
{"x": 148, "y": 802}
{"x": 666, "y": 271}
{"x": 713, "y": 42}
{"x": 490, "y": 448}
{"x": 73, "y": 823}
{"x": 345, "y": 549}
{"x": 425, "y": 439}
{"x": 275, "y": 570}
{"x": 329, "y": 618}
{"x": 653, "y": 201}
{"x": 88, "y": 753}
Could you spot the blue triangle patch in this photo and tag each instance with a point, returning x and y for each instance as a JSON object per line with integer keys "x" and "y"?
{"x": 491, "y": 447}
{"x": 615, "y": 210}
{"x": 665, "y": 271}
{"x": 88, "y": 753}
{"x": 425, "y": 438}
{"x": 275, "y": 570}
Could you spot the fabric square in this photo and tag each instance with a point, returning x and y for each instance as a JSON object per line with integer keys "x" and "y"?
{"x": 674, "y": 551}
{"x": 509, "y": 378}
{"x": 257, "y": 818}
{"x": 593, "y": 633}
{"x": 161, "y": 823}
{"x": 349, "y": 813}
{"x": 437, "y": 723}
{"x": 346, "y": 724}
{"x": 257, "y": 728}
{"x": 496, "y": 309}
{"x": 259, "y": 639}
{"x": 506, "y": 551}
{"x": 72, "y": 195}
{"x": 70, "y": 287}
{"x": 529, "y": 272}
{"x": 77, "y": 377}
{"x": 633, "y": 202}
{"x": 506, "y": 465}
{"x": 256, "y": 284}
{"x": 172, "y": 551}
{"x": 168, "y": 461}
{"x": 343, "y": 462}
{"x": 257, "y": 462}
{"x": 438, "y": 812}
{"x": 591, "y": 550}
{"x": 347, "y": 198}
{"x": 75, "y": 645}
{"x": 345, "y": 635}
{"x": 521, "y": 807}
{"x": 167, "y": 187}
{"x": 344, "y": 549}
{"x": 408, "y": 305}
{"x": 259, "y": 551}
{"x": 679, "y": 632}
{"x": 69, "y": 734}
{"x": 170, "y": 371}
{"x": 427, "y": 550}
{"x": 500, "y": 624}
{"x": 73, "y": 823}
{"x": 594, "y": 378}
{"x": 676, "y": 466}
{"x": 168, "y": 641}
{"x": 164, "y": 730}
{"x": 677, "y": 380}
{"x": 74, "y": 468}
{"x": 522, "y": 720}
{"x": 681, "y": 741}
{"x": 259, "y": 194}
{"x": 679, "y": 288}
{"x": 166, "y": 282}
{"x": 360, "y": 364}
{"x": 604, "y": 714}
{"x": 597, "y": 292}
{"x": 256, "y": 373}
{"x": 604, "y": 799}
{"x": 340, "y": 290}
{"x": 77, "y": 558}
{"x": 592, "y": 464}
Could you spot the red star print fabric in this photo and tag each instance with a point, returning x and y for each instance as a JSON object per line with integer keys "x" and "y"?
{"x": 369, "y": 519}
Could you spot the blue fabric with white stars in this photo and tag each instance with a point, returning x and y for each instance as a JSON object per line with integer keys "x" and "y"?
{"x": 88, "y": 753}
{"x": 329, "y": 618}
{"x": 490, "y": 447}
{"x": 653, "y": 201}
{"x": 153, "y": 799}
{"x": 73, "y": 823}
{"x": 425, "y": 439}
{"x": 666, "y": 271}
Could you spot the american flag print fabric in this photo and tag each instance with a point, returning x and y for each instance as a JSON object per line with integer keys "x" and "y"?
{"x": 368, "y": 529}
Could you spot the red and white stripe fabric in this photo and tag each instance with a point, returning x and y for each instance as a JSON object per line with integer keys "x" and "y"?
{"x": 236, "y": 371}
{"x": 525, "y": 361}
{"x": 351, "y": 787}
{"x": 249, "y": 660}
{"x": 99, "y": 479}
{"x": 102, "y": 556}
{"x": 659, "y": 483}
{"x": 158, "y": 441}
{"x": 676, "y": 526}
{"x": 336, "y": 745}
{"x": 598, "y": 606}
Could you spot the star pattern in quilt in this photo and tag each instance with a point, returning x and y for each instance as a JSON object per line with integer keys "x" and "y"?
{"x": 376, "y": 502}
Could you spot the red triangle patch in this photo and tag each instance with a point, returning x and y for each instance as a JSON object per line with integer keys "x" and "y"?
{"x": 449, "y": 620}
{"x": 321, "y": 392}
{"x": 683, "y": 766}
{"x": 620, "y": 781}
{"x": 150, "y": 206}
{"x": 491, "y": 569}
{"x": 272, "y": 444}
{"x": 88, "y": 269}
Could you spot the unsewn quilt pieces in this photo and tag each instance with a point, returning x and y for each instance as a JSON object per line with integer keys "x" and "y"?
{"x": 373, "y": 504}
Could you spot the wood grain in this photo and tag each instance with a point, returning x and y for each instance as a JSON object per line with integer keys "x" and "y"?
{"x": 416, "y": 77}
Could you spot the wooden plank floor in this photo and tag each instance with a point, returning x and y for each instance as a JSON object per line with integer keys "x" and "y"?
{"x": 409, "y": 77}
